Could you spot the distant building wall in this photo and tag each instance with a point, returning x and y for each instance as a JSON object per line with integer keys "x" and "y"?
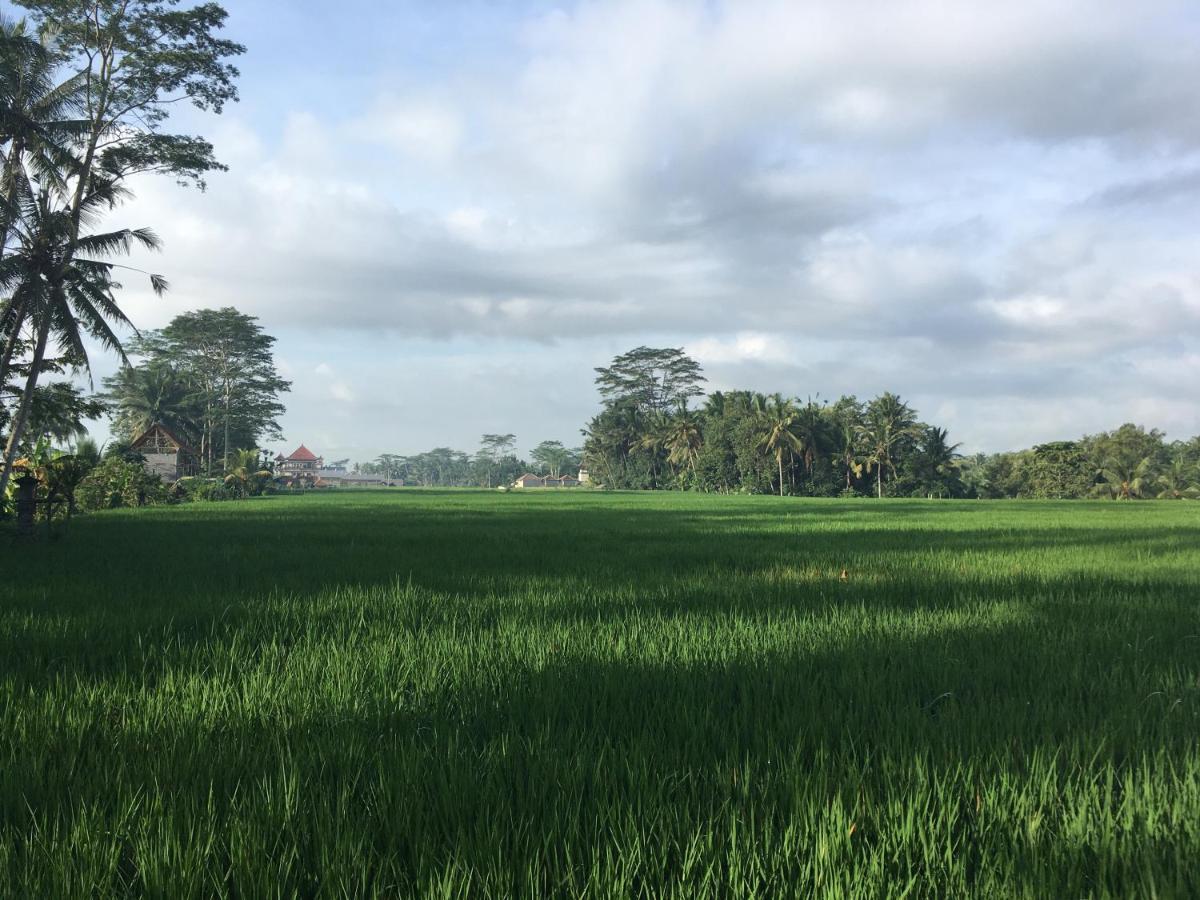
{"x": 165, "y": 465}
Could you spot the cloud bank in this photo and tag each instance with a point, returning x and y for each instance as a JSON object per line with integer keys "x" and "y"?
{"x": 987, "y": 207}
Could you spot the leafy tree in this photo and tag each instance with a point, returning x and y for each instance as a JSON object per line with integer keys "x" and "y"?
{"x": 552, "y": 458}
{"x": 227, "y": 359}
{"x": 390, "y": 465}
{"x": 656, "y": 381}
{"x": 59, "y": 410}
{"x": 1058, "y": 470}
{"x": 493, "y": 448}
{"x": 613, "y": 448}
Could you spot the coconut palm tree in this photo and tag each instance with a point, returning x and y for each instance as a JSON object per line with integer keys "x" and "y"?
{"x": 248, "y": 474}
{"x": 1180, "y": 480}
{"x": 38, "y": 120}
{"x": 939, "y": 461}
{"x": 812, "y": 428}
{"x": 777, "y": 432}
{"x": 149, "y": 394}
{"x": 848, "y": 453}
{"x": 65, "y": 284}
{"x": 890, "y": 422}
{"x": 1125, "y": 479}
{"x": 684, "y": 440}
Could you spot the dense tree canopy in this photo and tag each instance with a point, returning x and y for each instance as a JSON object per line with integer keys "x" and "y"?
{"x": 209, "y": 376}
{"x": 654, "y": 380}
{"x": 745, "y": 441}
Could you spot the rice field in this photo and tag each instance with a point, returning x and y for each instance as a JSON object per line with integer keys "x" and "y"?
{"x": 449, "y": 694}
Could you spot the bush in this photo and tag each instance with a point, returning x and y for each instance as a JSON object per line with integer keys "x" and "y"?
{"x": 116, "y": 482}
{"x": 192, "y": 490}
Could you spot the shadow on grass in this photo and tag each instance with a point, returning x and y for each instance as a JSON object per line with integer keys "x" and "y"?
{"x": 544, "y": 766}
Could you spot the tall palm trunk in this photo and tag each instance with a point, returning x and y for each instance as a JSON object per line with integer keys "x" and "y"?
{"x": 879, "y": 481}
{"x": 22, "y": 415}
{"x": 779, "y": 459}
{"x": 10, "y": 342}
{"x": 10, "y": 169}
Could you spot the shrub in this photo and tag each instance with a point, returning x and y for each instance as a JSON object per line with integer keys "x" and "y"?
{"x": 116, "y": 482}
{"x": 192, "y": 490}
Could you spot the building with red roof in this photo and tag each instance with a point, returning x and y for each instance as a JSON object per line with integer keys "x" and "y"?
{"x": 301, "y": 463}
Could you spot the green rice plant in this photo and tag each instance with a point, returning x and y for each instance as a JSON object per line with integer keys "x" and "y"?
{"x": 462, "y": 693}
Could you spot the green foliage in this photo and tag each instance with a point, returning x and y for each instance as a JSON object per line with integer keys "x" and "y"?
{"x": 248, "y": 475}
{"x": 155, "y": 392}
{"x": 1058, "y": 470}
{"x": 552, "y": 458}
{"x": 466, "y": 694}
{"x": 227, "y": 360}
{"x": 193, "y": 489}
{"x": 116, "y": 482}
{"x": 654, "y": 380}
{"x": 79, "y": 115}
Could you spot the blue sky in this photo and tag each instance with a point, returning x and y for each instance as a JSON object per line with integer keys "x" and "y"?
{"x": 450, "y": 213}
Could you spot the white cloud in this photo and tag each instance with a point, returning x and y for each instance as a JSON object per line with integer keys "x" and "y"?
{"x": 421, "y": 128}
{"x": 830, "y": 194}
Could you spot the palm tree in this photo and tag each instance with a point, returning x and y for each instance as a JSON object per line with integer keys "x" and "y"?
{"x": 684, "y": 440}
{"x": 813, "y": 430}
{"x": 247, "y": 473}
{"x": 36, "y": 129}
{"x": 150, "y": 394}
{"x": 847, "y": 453}
{"x": 66, "y": 287}
{"x": 63, "y": 475}
{"x": 654, "y": 440}
{"x": 939, "y": 459}
{"x": 1124, "y": 479}
{"x": 1179, "y": 481}
{"x": 778, "y": 436}
{"x": 890, "y": 422}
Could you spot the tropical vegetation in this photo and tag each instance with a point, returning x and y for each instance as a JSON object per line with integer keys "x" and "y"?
{"x": 86, "y": 87}
{"x": 647, "y": 436}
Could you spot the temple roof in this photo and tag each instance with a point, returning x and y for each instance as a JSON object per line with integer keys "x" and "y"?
{"x": 303, "y": 454}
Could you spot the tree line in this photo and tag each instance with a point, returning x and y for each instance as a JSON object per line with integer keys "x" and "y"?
{"x": 494, "y": 464}
{"x": 647, "y": 435}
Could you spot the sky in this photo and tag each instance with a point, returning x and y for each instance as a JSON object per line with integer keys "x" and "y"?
{"x": 450, "y": 213}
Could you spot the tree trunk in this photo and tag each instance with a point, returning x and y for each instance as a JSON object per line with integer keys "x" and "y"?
{"x": 225, "y": 448}
{"x": 879, "y": 482}
{"x": 10, "y": 343}
{"x": 22, "y": 415}
{"x": 779, "y": 459}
